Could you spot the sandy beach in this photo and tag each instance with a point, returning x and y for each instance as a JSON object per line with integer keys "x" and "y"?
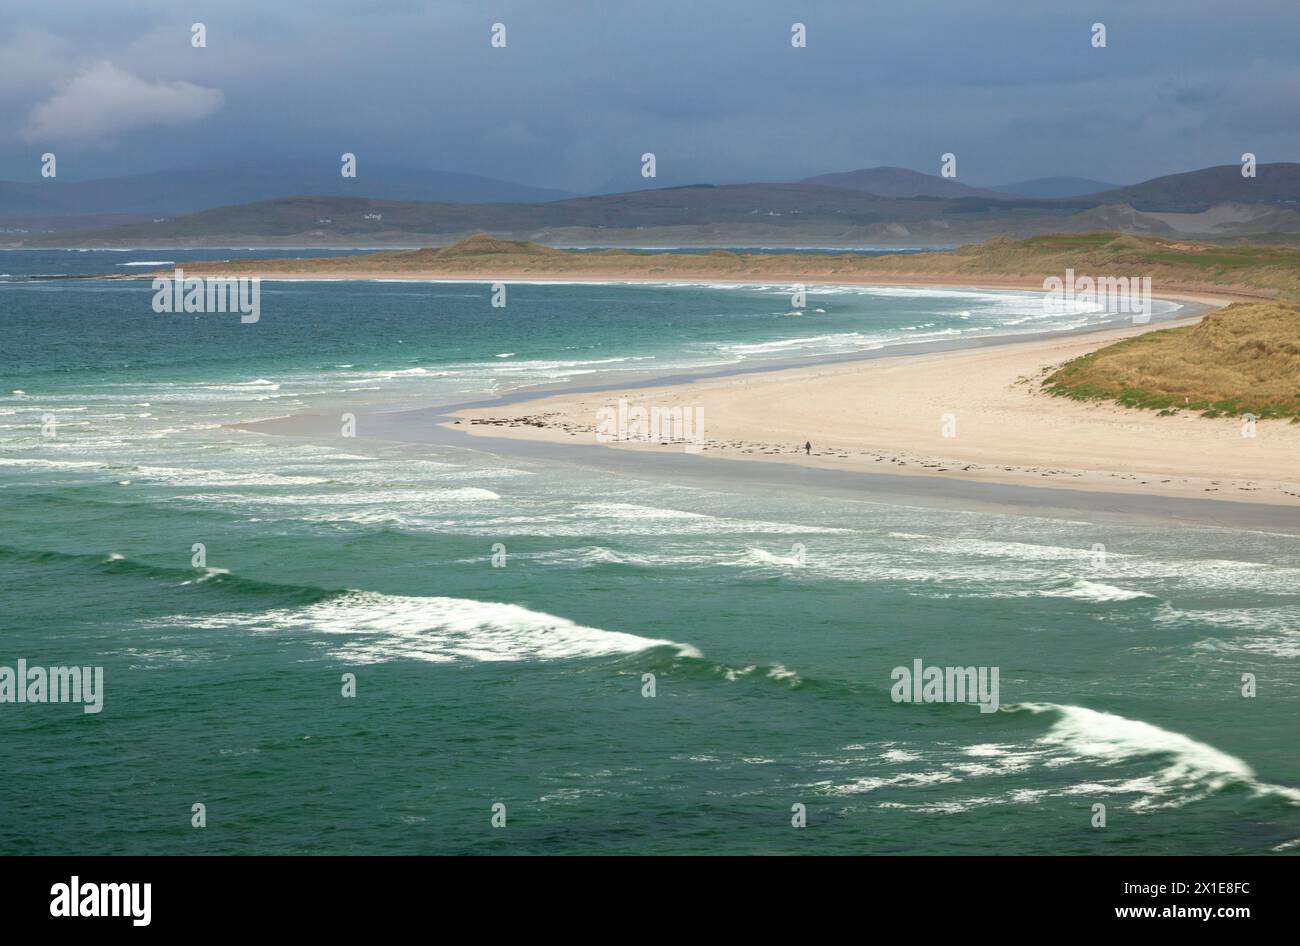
{"x": 975, "y": 415}
{"x": 810, "y": 270}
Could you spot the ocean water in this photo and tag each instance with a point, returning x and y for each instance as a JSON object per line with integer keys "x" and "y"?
{"x": 771, "y": 622}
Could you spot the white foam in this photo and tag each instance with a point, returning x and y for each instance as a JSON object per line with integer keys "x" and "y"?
{"x": 195, "y": 477}
{"x": 634, "y": 511}
{"x": 755, "y": 557}
{"x": 900, "y": 755}
{"x": 376, "y": 627}
{"x": 599, "y": 555}
{"x": 1084, "y": 590}
{"x": 779, "y": 672}
{"x": 51, "y": 464}
{"x": 208, "y": 575}
{"x": 382, "y": 498}
{"x": 904, "y": 780}
{"x": 1285, "y": 644}
{"x": 1194, "y": 771}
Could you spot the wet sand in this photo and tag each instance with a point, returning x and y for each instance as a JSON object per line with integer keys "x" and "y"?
{"x": 961, "y": 425}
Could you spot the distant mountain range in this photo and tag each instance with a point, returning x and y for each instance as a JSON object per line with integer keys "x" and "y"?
{"x": 877, "y": 206}
{"x": 168, "y": 193}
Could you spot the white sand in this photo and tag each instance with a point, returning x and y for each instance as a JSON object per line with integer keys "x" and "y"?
{"x": 889, "y": 415}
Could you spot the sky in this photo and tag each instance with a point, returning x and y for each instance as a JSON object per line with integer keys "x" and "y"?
{"x": 1014, "y": 88}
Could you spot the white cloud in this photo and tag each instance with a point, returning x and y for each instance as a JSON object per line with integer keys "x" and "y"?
{"x": 105, "y": 100}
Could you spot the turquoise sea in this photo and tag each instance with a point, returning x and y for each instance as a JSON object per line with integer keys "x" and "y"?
{"x": 770, "y": 619}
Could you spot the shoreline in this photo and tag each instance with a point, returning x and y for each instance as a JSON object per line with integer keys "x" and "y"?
{"x": 429, "y": 427}
{"x": 1036, "y": 488}
{"x": 885, "y": 414}
{"x": 1204, "y": 295}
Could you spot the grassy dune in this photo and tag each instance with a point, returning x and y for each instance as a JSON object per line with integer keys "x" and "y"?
{"x": 1244, "y": 358}
{"x": 1252, "y": 270}
{"x": 1255, "y": 269}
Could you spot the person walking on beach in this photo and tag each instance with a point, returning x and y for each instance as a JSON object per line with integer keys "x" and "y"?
{"x": 807, "y": 447}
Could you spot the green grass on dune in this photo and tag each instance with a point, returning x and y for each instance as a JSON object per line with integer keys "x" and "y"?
{"x": 1242, "y": 359}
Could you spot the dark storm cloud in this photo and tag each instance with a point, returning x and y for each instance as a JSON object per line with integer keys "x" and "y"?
{"x": 715, "y": 90}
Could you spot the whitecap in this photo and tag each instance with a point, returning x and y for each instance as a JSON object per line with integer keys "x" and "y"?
{"x": 375, "y": 628}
